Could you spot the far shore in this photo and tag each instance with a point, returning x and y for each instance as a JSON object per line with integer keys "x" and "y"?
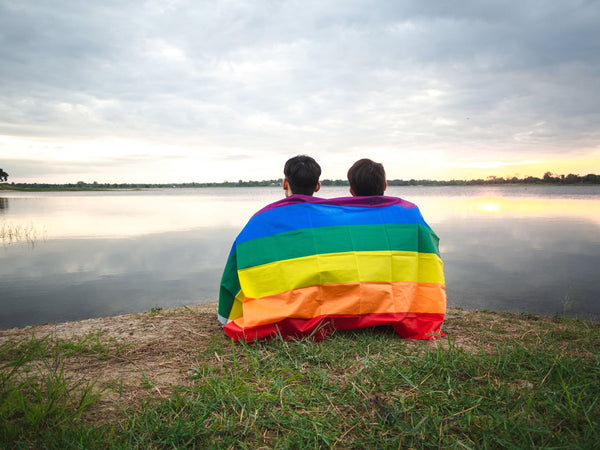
{"x": 547, "y": 180}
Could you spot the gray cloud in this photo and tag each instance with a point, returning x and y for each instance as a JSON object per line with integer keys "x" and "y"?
{"x": 507, "y": 76}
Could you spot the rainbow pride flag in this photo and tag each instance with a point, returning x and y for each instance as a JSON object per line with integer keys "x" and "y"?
{"x": 306, "y": 266}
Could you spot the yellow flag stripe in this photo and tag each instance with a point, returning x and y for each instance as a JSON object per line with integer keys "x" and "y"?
{"x": 335, "y": 268}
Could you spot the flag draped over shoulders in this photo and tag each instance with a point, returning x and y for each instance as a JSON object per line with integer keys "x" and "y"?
{"x": 305, "y": 266}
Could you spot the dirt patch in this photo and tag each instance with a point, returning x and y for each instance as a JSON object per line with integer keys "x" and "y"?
{"x": 130, "y": 328}
{"x": 147, "y": 354}
{"x": 136, "y": 357}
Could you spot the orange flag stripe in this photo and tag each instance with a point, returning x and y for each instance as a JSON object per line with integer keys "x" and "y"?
{"x": 357, "y": 298}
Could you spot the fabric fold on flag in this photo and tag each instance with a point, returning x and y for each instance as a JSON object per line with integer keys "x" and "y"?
{"x": 306, "y": 266}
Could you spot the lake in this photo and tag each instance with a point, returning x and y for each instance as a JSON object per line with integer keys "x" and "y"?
{"x": 75, "y": 255}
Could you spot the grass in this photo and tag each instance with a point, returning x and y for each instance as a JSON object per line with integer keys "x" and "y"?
{"x": 37, "y": 401}
{"x": 10, "y": 233}
{"x": 521, "y": 382}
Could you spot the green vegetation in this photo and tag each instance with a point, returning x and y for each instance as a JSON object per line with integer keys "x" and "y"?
{"x": 10, "y": 233}
{"x": 496, "y": 380}
{"x": 548, "y": 178}
{"x": 38, "y": 403}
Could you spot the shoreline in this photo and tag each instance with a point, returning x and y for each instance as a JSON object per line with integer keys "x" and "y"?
{"x": 43, "y": 187}
{"x": 76, "y": 328}
{"x": 119, "y": 324}
{"x": 180, "y": 358}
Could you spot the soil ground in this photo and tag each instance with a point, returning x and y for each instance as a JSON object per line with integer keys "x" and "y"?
{"x": 152, "y": 353}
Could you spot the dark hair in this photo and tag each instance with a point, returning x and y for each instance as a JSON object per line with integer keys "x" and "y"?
{"x": 366, "y": 178}
{"x": 302, "y": 173}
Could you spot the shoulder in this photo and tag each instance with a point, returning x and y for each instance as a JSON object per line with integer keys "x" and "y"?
{"x": 374, "y": 201}
{"x": 291, "y": 200}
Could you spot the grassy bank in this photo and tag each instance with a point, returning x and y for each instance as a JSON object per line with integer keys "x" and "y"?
{"x": 496, "y": 380}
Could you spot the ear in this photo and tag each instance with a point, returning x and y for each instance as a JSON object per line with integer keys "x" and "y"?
{"x": 286, "y": 187}
{"x": 385, "y": 186}
{"x": 352, "y": 193}
{"x": 318, "y": 186}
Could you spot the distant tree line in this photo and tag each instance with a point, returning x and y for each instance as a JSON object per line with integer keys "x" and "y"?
{"x": 548, "y": 178}
{"x": 82, "y": 185}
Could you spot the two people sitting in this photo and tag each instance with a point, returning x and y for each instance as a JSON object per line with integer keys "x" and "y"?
{"x": 306, "y": 266}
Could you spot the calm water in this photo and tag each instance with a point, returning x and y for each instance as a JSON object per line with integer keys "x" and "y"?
{"x": 74, "y": 255}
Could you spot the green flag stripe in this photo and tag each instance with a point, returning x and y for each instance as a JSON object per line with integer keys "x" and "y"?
{"x": 230, "y": 285}
{"x": 306, "y": 242}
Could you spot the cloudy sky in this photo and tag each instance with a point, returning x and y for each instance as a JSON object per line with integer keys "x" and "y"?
{"x": 178, "y": 91}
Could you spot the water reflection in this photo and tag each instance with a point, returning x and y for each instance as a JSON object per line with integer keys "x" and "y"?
{"x": 69, "y": 279}
{"x": 442, "y": 209}
{"x": 119, "y": 252}
{"x": 3, "y": 204}
{"x": 134, "y": 213}
{"x": 526, "y": 265}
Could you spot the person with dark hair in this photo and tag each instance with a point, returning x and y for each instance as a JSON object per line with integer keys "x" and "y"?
{"x": 367, "y": 178}
{"x": 301, "y": 176}
{"x": 301, "y": 181}
{"x": 305, "y": 267}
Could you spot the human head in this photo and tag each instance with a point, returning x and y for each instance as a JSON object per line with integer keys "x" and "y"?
{"x": 366, "y": 178}
{"x": 301, "y": 176}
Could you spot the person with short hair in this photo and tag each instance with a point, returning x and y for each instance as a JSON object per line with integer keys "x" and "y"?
{"x": 367, "y": 177}
{"x": 305, "y": 267}
{"x": 301, "y": 176}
